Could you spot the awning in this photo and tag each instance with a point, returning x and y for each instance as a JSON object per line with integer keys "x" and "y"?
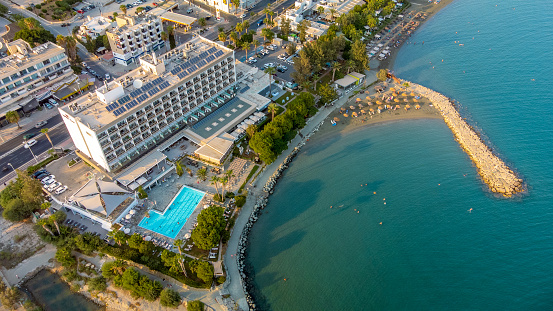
{"x": 140, "y": 167}
{"x": 177, "y": 18}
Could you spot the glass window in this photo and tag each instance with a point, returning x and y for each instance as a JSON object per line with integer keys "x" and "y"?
{"x": 39, "y": 65}
{"x": 18, "y": 83}
{"x": 3, "y": 90}
{"x": 14, "y": 76}
{"x": 6, "y": 80}
{"x": 9, "y": 87}
{"x": 31, "y": 69}
{"x": 26, "y": 79}
{"x": 23, "y": 72}
{"x": 34, "y": 76}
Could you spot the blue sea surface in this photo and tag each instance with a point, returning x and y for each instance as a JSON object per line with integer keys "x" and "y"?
{"x": 412, "y": 227}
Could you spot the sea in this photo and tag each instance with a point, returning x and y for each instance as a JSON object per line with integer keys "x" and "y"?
{"x": 394, "y": 216}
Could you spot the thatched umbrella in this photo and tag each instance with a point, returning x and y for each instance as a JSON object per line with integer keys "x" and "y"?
{"x": 342, "y": 109}
{"x": 415, "y": 100}
{"x": 413, "y": 93}
{"x": 354, "y": 114}
{"x": 407, "y": 107}
{"x": 336, "y": 119}
{"x": 363, "y": 111}
{"x": 371, "y": 110}
{"x": 360, "y": 106}
{"x": 368, "y": 98}
{"x": 396, "y": 100}
{"x": 392, "y": 89}
{"x": 404, "y": 94}
{"x": 417, "y": 107}
{"x": 378, "y": 102}
{"x": 395, "y": 94}
{"x": 358, "y": 99}
{"x": 398, "y": 106}
{"x": 346, "y": 115}
{"x": 351, "y": 107}
{"x": 380, "y": 107}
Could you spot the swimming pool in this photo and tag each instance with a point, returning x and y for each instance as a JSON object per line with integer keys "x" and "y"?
{"x": 176, "y": 214}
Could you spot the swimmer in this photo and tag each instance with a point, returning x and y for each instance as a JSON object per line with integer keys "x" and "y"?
{"x": 384, "y": 203}
{"x": 470, "y": 210}
{"x": 357, "y": 212}
{"x": 381, "y": 222}
{"x": 374, "y": 192}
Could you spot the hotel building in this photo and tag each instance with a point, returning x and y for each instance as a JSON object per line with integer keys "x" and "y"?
{"x": 132, "y": 115}
{"x": 27, "y": 71}
{"x": 134, "y": 36}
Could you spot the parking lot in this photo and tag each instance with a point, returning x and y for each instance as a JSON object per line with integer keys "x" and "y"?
{"x": 272, "y": 57}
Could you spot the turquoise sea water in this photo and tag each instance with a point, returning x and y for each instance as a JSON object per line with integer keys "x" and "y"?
{"x": 175, "y": 216}
{"x": 430, "y": 252}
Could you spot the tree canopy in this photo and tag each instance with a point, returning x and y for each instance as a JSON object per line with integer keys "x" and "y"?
{"x": 170, "y": 298}
{"x": 211, "y": 224}
{"x": 21, "y": 197}
{"x": 33, "y": 33}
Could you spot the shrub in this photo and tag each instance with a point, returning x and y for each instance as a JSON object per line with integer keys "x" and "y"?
{"x": 229, "y": 195}
{"x": 240, "y": 200}
{"x": 217, "y": 197}
{"x": 97, "y": 284}
{"x": 170, "y": 298}
{"x": 221, "y": 280}
{"x": 141, "y": 193}
{"x": 44, "y": 11}
{"x": 38, "y": 6}
{"x": 71, "y": 275}
{"x": 195, "y": 305}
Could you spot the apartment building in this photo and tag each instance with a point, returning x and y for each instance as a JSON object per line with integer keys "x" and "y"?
{"x": 134, "y": 36}
{"x": 130, "y": 116}
{"x": 95, "y": 27}
{"x": 27, "y": 71}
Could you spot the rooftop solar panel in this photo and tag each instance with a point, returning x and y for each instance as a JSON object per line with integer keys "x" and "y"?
{"x": 219, "y": 53}
{"x": 182, "y": 75}
{"x": 213, "y": 49}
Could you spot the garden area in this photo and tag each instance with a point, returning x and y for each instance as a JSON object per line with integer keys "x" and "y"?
{"x": 53, "y": 10}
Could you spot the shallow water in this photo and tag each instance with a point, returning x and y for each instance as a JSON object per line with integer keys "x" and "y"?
{"x": 431, "y": 251}
{"x": 54, "y": 294}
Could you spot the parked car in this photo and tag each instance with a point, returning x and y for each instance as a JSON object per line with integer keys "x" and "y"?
{"x": 243, "y": 16}
{"x": 48, "y": 106}
{"x": 48, "y": 180}
{"x": 61, "y": 190}
{"x": 267, "y": 65}
{"x": 53, "y": 186}
{"x": 35, "y": 174}
{"x": 29, "y": 143}
{"x": 189, "y": 11}
{"x": 282, "y": 57}
{"x": 108, "y": 76}
{"x": 29, "y": 136}
{"x": 53, "y": 102}
{"x": 270, "y": 47}
{"x": 292, "y": 86}
{"x": 43, "y": 175}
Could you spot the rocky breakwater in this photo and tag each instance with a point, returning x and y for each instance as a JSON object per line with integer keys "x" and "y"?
{"x": 247, "y": 281}
{"x": 493, "y": 171}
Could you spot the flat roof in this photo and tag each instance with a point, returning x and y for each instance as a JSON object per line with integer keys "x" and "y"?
{"x": 346, "y": 81}
{"x": 15, "y": 63}
{"x": 140, "y": 167}
{"x": 215, "y": 149}
{"x": 223, "y": 119}
{"x": 200, "y": 53}
{"x": 177, "y": 18}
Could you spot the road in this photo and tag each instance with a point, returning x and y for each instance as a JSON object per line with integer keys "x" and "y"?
{"x": 21, "y": 155}
{"x": 17, "y": 140}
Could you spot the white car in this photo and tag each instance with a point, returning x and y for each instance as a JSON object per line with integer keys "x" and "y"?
{"x": 108, "y": 76}
{"x": 252, "y": 60}
{"x": 40, "y": 124}
{"x": 48, "y": 180}
{"x": 53, "y": 101}
{"x": 53, "y": 186}
{"x": 29, "y": 143}
{"x": 270, "y": 47}
{"x": 61, "y": 190}
{"x": 243, "y": 16}
{"x": 267, "y": 65}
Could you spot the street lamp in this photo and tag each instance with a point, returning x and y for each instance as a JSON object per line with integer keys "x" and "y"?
{"x": 32, "y": 154}
{"x": 11, "y": 166}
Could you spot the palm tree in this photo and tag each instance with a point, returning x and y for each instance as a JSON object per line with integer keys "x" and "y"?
{"x": 255, "y": 44}
{"x": 236, "y": 4}
{"x": 350, "y": 64}
{"x": 178, "y": 243}
{"x": 202, "y": 174}
{"x": 164, "y": 38}
{"x": 306, "y": 84}
{"x": 335, "y": 66}
{"x": 118, "y": 236}
{"x": 214, "y": 181}
{"x": 271, "y": 13}
{"x": 246, "y": 25}
{"x": 71, "y": 45}
{"x": 43, "y": 222}
{"x": 58, "y": 216}
{"x": 315, "y": 79}
{"x": 45, "y": 131}
{"x": 239, "y": 28}
{"x": 224, "y": 182}
{"x": 270, "y": 71}
{"x": 202, "y": 22}
{"x": 234, "y": 37}
{"x": 178, "y": 168}
{"x": 60, "y": 40}
{"x": 266, "y": 12}
{"x": 272, "y": 109}
{"x": 170, "y": 30}
{"x": 245, "y": 47}
{"x": 123, "y": 8}
{"x": 189, "y": 171}
{"x": 222, "y": 37}
{"x": 118, "y": 267}
{"x": 13, "y": 117}
{"x": 230, "y": 175}
{"x": 332, "y": 12}
{"x": 321, "y": 10}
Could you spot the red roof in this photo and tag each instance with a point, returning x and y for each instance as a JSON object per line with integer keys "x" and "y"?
{"x": 108, "y": 56}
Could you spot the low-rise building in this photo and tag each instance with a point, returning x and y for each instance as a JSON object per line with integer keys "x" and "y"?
{"x": 95, "y": 27}
{"x": 27, "y": 71}
{"x": 134, "y": 36}
{"x": 296, "y": 15}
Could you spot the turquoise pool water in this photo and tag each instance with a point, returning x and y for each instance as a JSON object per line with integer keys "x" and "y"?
{"x": 175, "y": 216}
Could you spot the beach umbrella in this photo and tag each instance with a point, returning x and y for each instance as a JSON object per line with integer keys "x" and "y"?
{"x": 128, "y": 216}
{"x": 363, "y": 111}
{"x": 360, "y": 106}
{"x": 398, "y": 106}
{"x": 380, "y": 107}
{"x": 187, "y": 236}
{"x": 404, "y": 94}
{"x": 415, "y": 100}
{"x": 336, "y": 119}
{"x": 132, "y": 212}
{"x": 395, "y": 94}
{"x": 127, "y": 230}
{"x": 358, "y": 99}
{"x": 372, "y": 110}
{"x": 354, "y": 114}
{"x": 392, "y": 89}
{"x": 407, "y": 107}
{"x": 368, "y": 98}
{"x": 148, "y": 238}
{"x": 346, "y": 115}
{"x": 370, "y": 104}
{"x": 396, "y": 100}
{"x": 378, "y": 102}
{"x": 351, "y": 107}
{"x": 412, "y": 93}
{"x": 342, "y": 109}
{"x": 417, "y": 107}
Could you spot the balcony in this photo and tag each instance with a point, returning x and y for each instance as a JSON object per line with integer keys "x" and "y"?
{"x": 108, "y": 150}
{"x": 114, "y": 137}
{"x": 150, "y": 115}
{"x": 105, "y": 142}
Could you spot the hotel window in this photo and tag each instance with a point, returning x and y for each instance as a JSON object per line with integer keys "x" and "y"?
{"x": 34, "y": 76}
{"x": 31, "y": 69}
{"x": 6, "y": 80}
{"x": 39, "y": 65}
{"x": 26, "y": 79}
{"x": 2, "y": 90}
{"x": 14, "y": 76}
{"x": 17, "y": 83}
{"x": 9, "y": 87}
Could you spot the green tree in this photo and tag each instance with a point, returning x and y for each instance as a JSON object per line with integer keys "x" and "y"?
{"x": 291, "y": 48}
{"x": 175, "y": 262}
{"x": 245, "y": 47}
{"x": 97, "y": 284}
{"x": 327, "y": 93}
{"x": 236, "y": 4}
{"x": 138, "y": 10}
{"x": 141, "y": 193}
{"x": 321, "y": 10}
{"x": 315, "y": 78}
{"x": 87, "y": 242}
{"x": 285, "y": 27}
{"x": 203, "y": 269}
{"x": 123, "y": 8}
{"x": 332, "y": 12}
{"x": 272, "y": 109}
{"x": 195, "y": 305}
{"x": 9, "y": 296}
{"x": 111, "y": 269}
{"x": 164, "y": 38}
{"x": 245, "y": 25}
{"x": 222, "y": 37}
{"x": 56, "y": 218}
{"x": 267, "y": 34}
{"x": 234, "y": 37}
{"x": 202, "y": 174}
{"x": 238, "y": 28}
{"x": 65, "y": 258}
{"x": 118, "y": 236}
{"x": 215, "y": 181}
{"x": 382, "y": 74}
{"x": 302, "y": 28}
{"x": 15, "y": 210}
{"x": 202, "y": 22}
{"x": 13, "y": 117}
{"x": 250, "y": 130}
{"x": 178, "y": 168}
{"x": 359, "y": 57}
{"x": 210, "y": 226}
{"x": 135, "y": 240}
{"x": 170, "y": 298}
{"x": 255, "y": 44}
{"x": 302, "y": 66}
{"x": 335, "y": 66}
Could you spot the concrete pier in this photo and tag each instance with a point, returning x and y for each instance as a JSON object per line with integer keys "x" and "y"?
{"x": 493, "y": 171}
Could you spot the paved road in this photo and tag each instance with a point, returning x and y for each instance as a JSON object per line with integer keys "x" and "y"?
{"x": 21, "y": 155}
{"x": 17, "y": 140}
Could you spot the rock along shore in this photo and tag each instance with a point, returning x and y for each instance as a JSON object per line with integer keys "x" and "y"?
{"x": 257, "y": 210}
{"x": 493, "y": 171}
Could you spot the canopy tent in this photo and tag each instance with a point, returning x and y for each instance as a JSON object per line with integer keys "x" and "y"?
{"x": 101, "y": 196}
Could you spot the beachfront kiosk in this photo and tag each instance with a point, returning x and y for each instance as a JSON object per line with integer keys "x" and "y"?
{"x": 349, "y": 81}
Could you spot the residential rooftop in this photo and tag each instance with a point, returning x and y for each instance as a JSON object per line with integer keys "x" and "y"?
{"x": 132, "y": 91}
{"x": 22, "y": 56}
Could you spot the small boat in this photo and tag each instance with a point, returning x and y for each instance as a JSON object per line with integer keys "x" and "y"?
{"x": 461, "y": 44}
